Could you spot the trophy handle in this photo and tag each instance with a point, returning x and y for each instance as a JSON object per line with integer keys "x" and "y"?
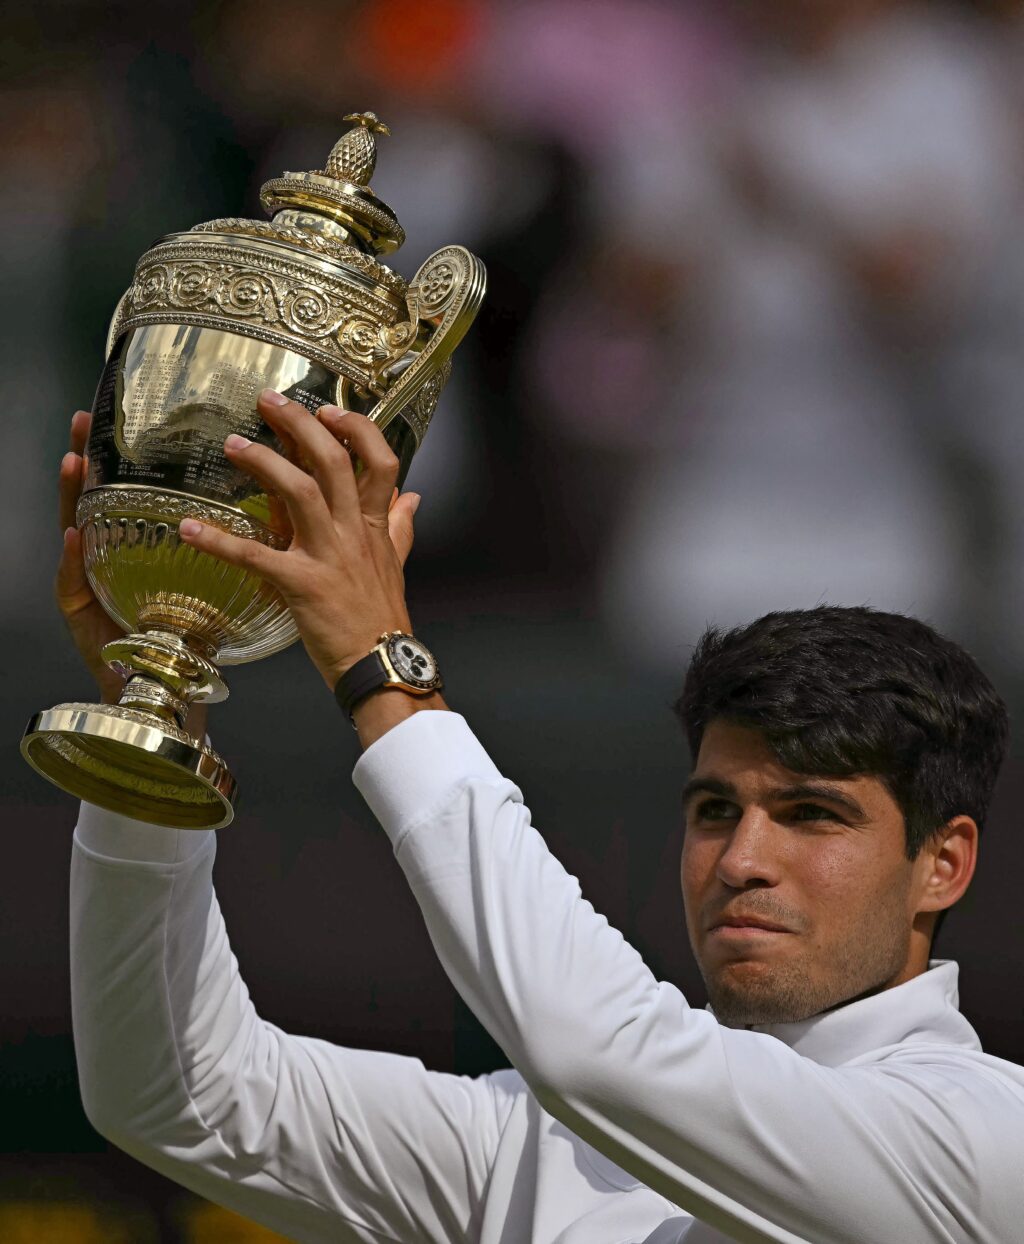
{"x": 114, "y": 331}
{"x": 443, "y": 300}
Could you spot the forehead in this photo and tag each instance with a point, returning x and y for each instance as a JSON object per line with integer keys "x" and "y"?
{"x": 741, "y": 757}
{"x": 729, "y": 747}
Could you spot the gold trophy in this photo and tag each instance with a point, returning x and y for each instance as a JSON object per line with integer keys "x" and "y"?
{"x": 302, "y": 304}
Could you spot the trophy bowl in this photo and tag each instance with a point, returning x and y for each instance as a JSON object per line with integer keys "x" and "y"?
{"x": 301, "y": 304}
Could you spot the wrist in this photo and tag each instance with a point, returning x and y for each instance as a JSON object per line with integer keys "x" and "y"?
{"x": 387, "y": 707}
{"x": 398, "y": 661}
{"x": 338, "y": 668}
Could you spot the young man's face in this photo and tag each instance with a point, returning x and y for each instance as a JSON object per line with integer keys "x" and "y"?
{"x": 823, "y": 858}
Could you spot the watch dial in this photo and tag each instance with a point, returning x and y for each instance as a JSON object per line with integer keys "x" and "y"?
{"x": 412, "y": 661}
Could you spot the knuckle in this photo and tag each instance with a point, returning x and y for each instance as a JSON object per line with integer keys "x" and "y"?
{"x": 306, "y": 488}
{"x": 250, "y": 555}
{"x": 238, "y": 549}
{"x": 254, "y": 455}
{"x": 384, "y": 461}
{"x": 334, "y": 453}
{"x": 236, "y": 546}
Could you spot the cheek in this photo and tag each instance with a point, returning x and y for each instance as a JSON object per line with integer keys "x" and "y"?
{"x": 842, "y": 886}
{"x": 696, "y": 866}
{"x": 832, "y": 869}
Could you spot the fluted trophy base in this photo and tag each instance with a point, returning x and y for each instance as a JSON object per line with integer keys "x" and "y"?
{"x": 135, "y": 757}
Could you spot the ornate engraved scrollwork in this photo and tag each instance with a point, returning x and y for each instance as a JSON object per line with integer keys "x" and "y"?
{"x": 443, "y": 299}
{"x": 199, "y": 280}
{"x": 418, "y": 412}
{"x": 171, "y": 507}
{"x": 346, "y": 327}
{"x": 139, "y": 716}
{"x": 321, "y": 244}
{"x": 359, "y": 338}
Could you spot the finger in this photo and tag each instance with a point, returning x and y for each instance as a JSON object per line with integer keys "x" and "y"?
{"x": 321, "y": 452}
{"x": 71, "y": 587}
{"x": 400, "y": 527}
{"x": 286, "y": 446}
{"x": 376, "y": 483}
{"x": 81, "y": 422}
{"x": 235, "y": 550}
{"x": 394, "y": 498}
{"x": 278, "y": 519}
{"x": 69, "y": 489}
{"x": 307, "y": 509}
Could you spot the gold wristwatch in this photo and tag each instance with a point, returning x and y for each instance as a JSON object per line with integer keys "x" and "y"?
{"x": 398, "y": 660}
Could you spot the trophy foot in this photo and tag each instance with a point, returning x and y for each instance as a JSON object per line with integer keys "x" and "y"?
{"x": 135, "y": 757}
{"x": 129, "y": 761}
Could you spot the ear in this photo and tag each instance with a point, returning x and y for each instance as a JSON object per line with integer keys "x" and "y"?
{"x": 946, "y": 864}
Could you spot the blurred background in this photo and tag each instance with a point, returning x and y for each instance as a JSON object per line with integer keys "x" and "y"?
{"x": 754, "y": 339}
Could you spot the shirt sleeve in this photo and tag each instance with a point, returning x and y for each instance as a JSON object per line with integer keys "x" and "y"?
{"x": 731, "y": 1125}
{"x": 316, "y": 1141}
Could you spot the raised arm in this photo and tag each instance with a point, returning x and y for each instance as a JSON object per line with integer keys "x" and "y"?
{"x": 176, "y": 1067}
{"x": 316, "y": 1141}
{"x": 734, "y": 1126}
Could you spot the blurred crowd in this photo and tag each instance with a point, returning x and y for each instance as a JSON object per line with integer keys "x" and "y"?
{"x": 755, "y": 329}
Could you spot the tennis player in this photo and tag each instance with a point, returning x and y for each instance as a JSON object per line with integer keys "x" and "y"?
{"x": 831, "y": 1092}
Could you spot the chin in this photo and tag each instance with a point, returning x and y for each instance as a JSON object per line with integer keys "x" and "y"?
{"x": 749, "y": 991}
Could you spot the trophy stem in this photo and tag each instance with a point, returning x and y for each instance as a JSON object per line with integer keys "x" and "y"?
{"x": 164, "y": 674}
{"x": 152, "y": 696}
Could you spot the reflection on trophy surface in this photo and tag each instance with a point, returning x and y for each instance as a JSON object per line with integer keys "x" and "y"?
{"x": 300, "y": 304}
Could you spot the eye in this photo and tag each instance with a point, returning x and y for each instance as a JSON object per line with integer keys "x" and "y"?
{"x": 813, "y": 812}
{"x": 715, "y": 810}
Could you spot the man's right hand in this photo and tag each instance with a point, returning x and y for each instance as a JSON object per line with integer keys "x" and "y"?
{"x": 89, "y": 623}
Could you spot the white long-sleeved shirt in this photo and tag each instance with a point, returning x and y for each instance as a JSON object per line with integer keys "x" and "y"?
{"x": 630, "y": 1117}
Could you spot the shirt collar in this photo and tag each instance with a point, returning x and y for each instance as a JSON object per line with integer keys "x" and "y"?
{"x": 923, "y": 1010}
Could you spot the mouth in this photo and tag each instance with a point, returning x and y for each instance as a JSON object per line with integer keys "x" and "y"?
{"x": 751, "y": 926}
{"x": 745, "y": 932}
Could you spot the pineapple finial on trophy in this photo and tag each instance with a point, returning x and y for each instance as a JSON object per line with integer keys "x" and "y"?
{"x": 354, "y": 156}
{"x": 340, "y": 193}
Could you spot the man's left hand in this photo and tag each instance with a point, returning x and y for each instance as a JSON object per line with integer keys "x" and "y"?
{"x": 341, "y": 576}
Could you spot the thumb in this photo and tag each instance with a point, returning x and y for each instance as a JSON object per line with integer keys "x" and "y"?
{"x": 400, "y": 523}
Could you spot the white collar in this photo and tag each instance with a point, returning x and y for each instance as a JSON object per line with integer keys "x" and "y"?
{"x": 923, "y": 1010}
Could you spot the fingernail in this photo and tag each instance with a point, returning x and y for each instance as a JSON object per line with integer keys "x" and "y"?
{"x": 273, "y": 398}
{"x": 64, "y": 460}
{"x": 416, "y": 499}
{"x": 234, "y": 441}
{"x": 332, "y": 412}
{"x": 68, "y": 531}
{"x": 189, "y": 527}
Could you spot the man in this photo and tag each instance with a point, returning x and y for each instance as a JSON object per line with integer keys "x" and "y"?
{"x": 833, "y": 1093}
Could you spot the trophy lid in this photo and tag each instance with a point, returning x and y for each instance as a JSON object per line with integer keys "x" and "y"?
{"x": 340, "y": 192}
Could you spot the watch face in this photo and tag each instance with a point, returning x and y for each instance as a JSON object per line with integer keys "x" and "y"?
{"x": 412, "y": 661}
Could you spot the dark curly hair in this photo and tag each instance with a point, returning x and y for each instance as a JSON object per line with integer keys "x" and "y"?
{"x": 854, "y": 691}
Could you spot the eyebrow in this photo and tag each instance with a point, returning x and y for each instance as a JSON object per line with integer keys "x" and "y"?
{"x": 827, "y": 791}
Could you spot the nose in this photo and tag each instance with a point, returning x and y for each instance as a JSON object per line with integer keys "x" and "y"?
{"x": 749, "y": 857}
